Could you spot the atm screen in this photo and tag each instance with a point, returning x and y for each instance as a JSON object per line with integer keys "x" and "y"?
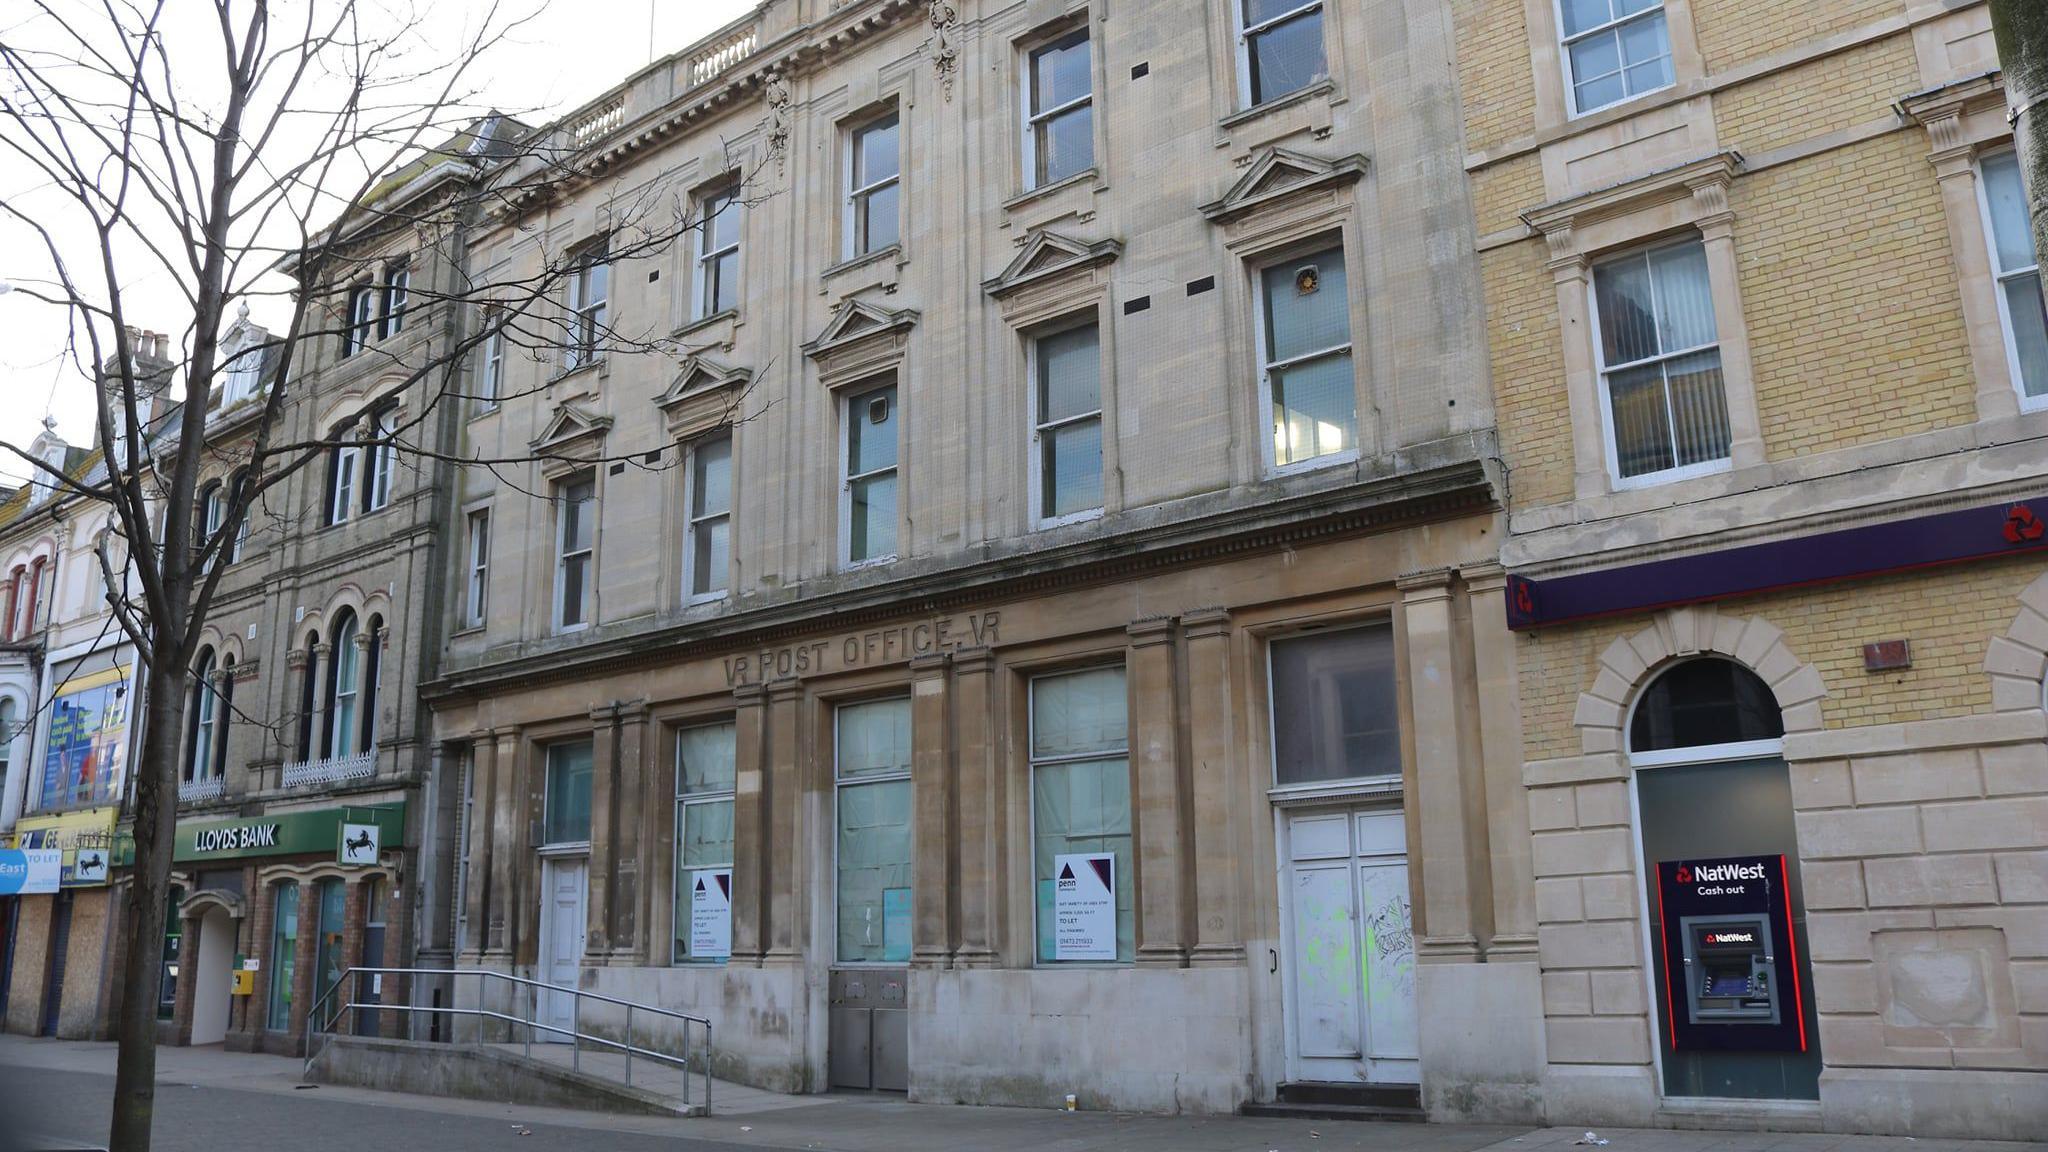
{"x": 1728, "y": 984}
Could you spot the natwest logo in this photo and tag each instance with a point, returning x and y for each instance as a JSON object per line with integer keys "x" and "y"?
{"x": 1717, "y": 873}
{"x": 1731, "y": 938}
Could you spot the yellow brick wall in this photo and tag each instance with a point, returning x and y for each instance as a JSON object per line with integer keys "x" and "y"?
{"x": 1527, "y": 354}
{"x": 1502, "y": 192}
{"x": 1841, "y": 91}
{"x": 1735, "y": 32}
{"x": 1849, "y": 293}
{"x": 1948, "y": 615}
{"x": 1493, "y": 71}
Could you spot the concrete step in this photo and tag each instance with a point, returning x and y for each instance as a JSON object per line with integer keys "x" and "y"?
{"x": 1313, "y": 1100}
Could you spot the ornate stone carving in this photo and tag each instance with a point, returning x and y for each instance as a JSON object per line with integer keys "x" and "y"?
{"x": 944, "y": 44}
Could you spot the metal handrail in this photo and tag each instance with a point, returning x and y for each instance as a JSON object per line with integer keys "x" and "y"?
{"x": 323, "y": 1025}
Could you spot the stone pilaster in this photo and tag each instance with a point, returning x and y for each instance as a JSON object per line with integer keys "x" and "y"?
{"x": 1218, "y": 791}
{"x": 980, "y": 798}
{"x": 783, "y": 847}
{"x": 749, "y": 825}
{"x": 482, "y": 795}
{"x": 182, "y": 993}
{"x": 1441, "y": 848}
{"x": 1500, "y": 735}
{"x": 632, "y": 798}
{"x": 1160, "y": 854}
{"x": 508, "y": 836}
{"x": 931, "y": 790}
{"x": 604, "y": 835}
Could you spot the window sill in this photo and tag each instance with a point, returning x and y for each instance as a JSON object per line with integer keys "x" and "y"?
{"x": 1043, "y": 190}
{"x": 1669, "y": 475}
{"x": 703, "y": 598}
{"x": 863, "y": 565}
{"x": 1353, "y": 787}
{"x": 1616, "y": 107}
{"x": 1312, "y": 464}
{"x": 482, "y": 410}
{"x": 591, "y": 368}
{"x": 1324, "y": 87}
{"x": 1048, "y": 523}
{"x": 468, "y": 630}
{"x": 892, "y": 252}
{"x": 702, "y": 323}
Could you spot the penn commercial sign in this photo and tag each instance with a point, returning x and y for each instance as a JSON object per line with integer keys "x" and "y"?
{"x": 246, "y": 838}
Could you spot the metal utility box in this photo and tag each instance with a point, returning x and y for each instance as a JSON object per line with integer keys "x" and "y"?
{"x": 870, "y": 1029}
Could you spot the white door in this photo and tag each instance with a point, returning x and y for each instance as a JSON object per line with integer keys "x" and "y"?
{"x": 1351, "y": 950}
{"x": 562, "y": 926}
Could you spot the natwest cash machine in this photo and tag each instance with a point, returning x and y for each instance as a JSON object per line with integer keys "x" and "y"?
{"x": 1731, "y": 969}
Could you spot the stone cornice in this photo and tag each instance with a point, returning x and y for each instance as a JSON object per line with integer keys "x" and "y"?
{"x": 1449, "y": 483}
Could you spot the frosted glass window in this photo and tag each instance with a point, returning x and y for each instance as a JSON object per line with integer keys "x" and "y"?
{"x": 1305, "y": 325}
{"x": 2019, "y": 279}
{"x": 873, "y": 848}
{"x": 705, "y": 771}
{"x": 1081, "y": 789}
{"x": 567, "y": 820}
{"x": 1335, "y": 709}
{"x": 1660, "y": 363}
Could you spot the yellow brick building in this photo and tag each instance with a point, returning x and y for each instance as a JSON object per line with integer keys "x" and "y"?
{"x": 1767, "y": 349}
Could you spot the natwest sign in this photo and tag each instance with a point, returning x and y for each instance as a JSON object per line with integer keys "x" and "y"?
{"x": 1720, "y": 873}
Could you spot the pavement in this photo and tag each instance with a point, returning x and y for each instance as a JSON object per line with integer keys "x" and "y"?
{"x": 214, "y": 1101}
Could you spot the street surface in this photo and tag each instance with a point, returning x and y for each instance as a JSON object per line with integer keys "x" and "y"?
{"x": 210, "y": 1101}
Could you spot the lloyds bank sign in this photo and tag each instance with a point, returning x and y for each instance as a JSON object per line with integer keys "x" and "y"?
{"x": 312, "y": 832}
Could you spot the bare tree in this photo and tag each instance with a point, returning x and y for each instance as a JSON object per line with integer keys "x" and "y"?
{"x": 221, "y": 148}
{"x": 2020, "y": 28}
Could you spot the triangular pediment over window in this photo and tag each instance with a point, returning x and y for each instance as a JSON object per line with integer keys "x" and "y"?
{"x": 1278, "y": 174}
{"x": 701, "y": 374}
{"x": 569, "y": 428}
{"x": 1048, "y": 255}
{"x": 855, "y": 321}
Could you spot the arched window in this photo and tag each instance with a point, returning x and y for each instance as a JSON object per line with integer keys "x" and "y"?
{"x": 309, "y": 698}
{"x": 343, "y": 684}
{"x": 7, "y": 725}
{"x": 227, "y": 715}
{"x": 1703, "y": 702}
{"x": 201, "y": 714}
{"x": 372, "y": 667}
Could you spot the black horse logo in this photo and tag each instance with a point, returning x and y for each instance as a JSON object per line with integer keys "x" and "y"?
{"x": 91, "y": 864}
{"x": 361, "y": 843}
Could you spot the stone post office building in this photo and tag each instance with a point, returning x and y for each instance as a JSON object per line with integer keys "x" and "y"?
{"x": 1028, "y": 597}
{"x": 1064, "y": 416}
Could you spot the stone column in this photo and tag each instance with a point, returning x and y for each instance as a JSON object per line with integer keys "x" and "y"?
{"x": 182, "y": 992}
{"x": 749, "y": 825}
{"x": 1161, "y": 854}
{"x": 1724, "y": 280}
{"x": 1955, "y": 167}
{"x": 980, "y": 797}
{"x": 631, "y": 799}
{"x": 1218, "y": 792}
{"x": 507, "y": 846}
{"x": 1446, "y": 920}
{"x": 783, "y": 797}
{"x": 482, "y": 784}
{"x": 931, "y": 790}
{"x": 604, "y": 823}
{"x": 1572, "y": 277}
{"x": 1500, "y": 738}
{"x": 316, "y": 667}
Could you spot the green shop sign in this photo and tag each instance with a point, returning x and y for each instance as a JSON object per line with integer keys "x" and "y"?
{"x": 284, "y": 834}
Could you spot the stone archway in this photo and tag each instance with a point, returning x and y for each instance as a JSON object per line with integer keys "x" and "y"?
{"x": 1757, "y": 644}
{"x": 2017, "y": 660}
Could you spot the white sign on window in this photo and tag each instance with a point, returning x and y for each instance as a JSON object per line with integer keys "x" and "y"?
{"x": 711, "y": 913}
{"x": 1084, "y": 906}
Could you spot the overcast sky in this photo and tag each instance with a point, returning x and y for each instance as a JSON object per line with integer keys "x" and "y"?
{"x": 574, "y": 50}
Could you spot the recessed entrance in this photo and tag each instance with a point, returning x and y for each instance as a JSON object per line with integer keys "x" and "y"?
{"x": 1351, "y": 948}
{"x": 562, "y": 928}
{"x": 1725, "y": 916}
{"x": 212, "y": 976}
